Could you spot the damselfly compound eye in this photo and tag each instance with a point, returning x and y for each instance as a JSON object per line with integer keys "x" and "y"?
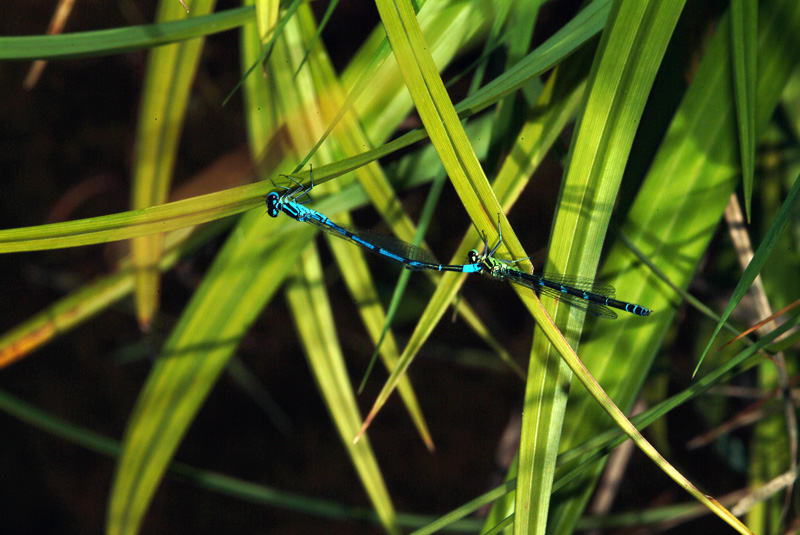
{"x": 272, "y": 204}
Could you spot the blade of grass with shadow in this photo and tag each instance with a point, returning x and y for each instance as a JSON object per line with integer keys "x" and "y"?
{"x": 696, "y": 166}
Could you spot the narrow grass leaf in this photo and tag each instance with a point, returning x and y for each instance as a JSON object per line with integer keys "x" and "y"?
{"x": 299, "y": 96}
{"x": 121, "y": 40}
{"x": 562, "y": 44}
{"x": 351, "y": 259}
{"x": 124, "y": 225}
{"x": 405, "y": 276}
{"x": 744, "y": 29}
{"x": 325, "y": 18}
{"x": 262, "y": 14}
{"x": 518, "y": 34}
{"x": 314, "y": 323}
{"x": 169, "y": 77}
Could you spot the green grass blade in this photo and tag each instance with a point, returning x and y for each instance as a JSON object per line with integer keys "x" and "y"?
{"x": 362, "y": 289}
{"x": 519, "y": 32}
{"x": 314, "y": 322}
{"x": 325, "y": 18}
{"x": 168, "y": 80}
{"x": 264, "y": 16}
{"x": 696, "y": 165}
{"x": 121, "y": 40}
{"x": 124, "y": 225}
{"x": 375, "y": 183}
{"x": 438, "y": 115}
{"x": 630, "y": 50}
{"x": 744, "y": 28}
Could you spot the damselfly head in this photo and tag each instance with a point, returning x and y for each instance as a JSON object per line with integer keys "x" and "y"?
{"x": 273, "y": 204}
{"x": 473, "y": 257}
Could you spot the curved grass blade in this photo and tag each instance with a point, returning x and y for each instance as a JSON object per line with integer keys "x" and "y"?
{"x": 268, "y": 47}
{"x": 405, "y": 276}
{"x": 121, "y": 40}
{"x": 518, "y": 33}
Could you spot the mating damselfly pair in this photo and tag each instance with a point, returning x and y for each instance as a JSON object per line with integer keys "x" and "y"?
{"x": 595, "y": 298}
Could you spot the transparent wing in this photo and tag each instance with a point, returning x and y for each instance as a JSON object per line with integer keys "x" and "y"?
{"x": 387, "y": 243}
{"x": 394, "y": 245}
{"x": 595, "y": 309}
{"x": 578, "y": 283}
